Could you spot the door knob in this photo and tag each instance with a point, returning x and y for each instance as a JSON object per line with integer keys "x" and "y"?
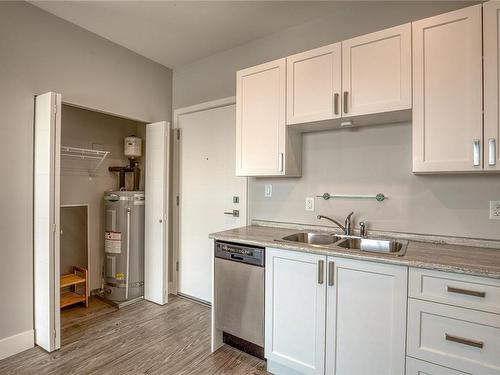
{"x": 234, "y": 213}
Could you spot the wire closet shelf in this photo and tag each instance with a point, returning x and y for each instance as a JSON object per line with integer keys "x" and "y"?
{"x": 85, "y": 154}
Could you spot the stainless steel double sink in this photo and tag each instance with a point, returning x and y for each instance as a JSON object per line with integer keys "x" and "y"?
{"x": 330, "y": 240}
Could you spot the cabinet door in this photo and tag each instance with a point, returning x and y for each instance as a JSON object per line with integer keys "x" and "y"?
{"x": 366, "y": 317}
{"x": 260, "y": 120}
{"x": 376, "y": 72}
{"x": 313, "y": 85}
{"x": 295, "y": 311}
{"x": 447, "y": 92}
{"x": 491, "y": 35}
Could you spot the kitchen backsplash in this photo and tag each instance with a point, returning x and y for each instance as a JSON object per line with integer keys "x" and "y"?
{"x": 371, "y": 160}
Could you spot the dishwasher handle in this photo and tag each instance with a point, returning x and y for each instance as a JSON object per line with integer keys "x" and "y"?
{"x": 237, "y": 257}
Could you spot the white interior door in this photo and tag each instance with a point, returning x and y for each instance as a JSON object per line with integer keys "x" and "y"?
{"x": 207, "y": 185}
{"x": 46, "y": 222}
{"x": 156, "y": 212}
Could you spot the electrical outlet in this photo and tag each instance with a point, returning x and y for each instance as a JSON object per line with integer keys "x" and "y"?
{"x": 494, "y": 210}
{"x": 309, "y": 204}
{"x": 268, "y": 191}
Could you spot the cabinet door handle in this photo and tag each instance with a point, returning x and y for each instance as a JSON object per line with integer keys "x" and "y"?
{"x": 464, "y": 341}
{"x": 346, "y": 107}
{"x": 476, "y": 148}
{"x": 336, "y": 103}
{"x": 474, "y": 293}
{"x": 492, "y": 151}
{"x": 321, "y": 265}
{"x": 280, "y": 162}
{"x": 331, "y": 273}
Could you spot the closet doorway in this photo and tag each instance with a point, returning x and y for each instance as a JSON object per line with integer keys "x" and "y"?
{"x": 76, "y": 170}
{"x": 75, "y": 254}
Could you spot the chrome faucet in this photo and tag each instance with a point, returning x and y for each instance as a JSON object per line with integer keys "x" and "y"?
{"x": 346, "y": 228}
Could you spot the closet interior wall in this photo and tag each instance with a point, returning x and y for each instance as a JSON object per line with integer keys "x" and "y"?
{"x": 93, "y": 130}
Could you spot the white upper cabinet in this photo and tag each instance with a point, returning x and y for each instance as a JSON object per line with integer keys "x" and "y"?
{"x": 376, "y": 72}
{"x": 447, "y": 92}
{"x": 491, "y": 35}
{"x": 264, "y": 146}
{"x": 314, "y": 85}
{"x": 366, "y": 317}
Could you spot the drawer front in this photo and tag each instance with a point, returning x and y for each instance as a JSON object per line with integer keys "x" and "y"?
{"x": 417, "y": 367}
{"x": 472, "y": 292}
{"x": 454, "y": 337}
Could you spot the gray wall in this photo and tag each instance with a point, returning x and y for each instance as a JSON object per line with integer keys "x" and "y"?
{"x": 358, "y": 161}
{"x": 88, "y": 129}
{"x": 215, "y": 76}
{"x": 40, "y": 53}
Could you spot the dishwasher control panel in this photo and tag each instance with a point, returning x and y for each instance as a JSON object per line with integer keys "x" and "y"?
{"x": 240, "y": 253}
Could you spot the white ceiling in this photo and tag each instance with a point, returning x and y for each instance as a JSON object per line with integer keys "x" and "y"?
{"x": 174, "y": 33}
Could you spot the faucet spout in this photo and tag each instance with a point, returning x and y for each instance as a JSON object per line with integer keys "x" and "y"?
{"x": 333, "y": 221}
{"x": 345, "y": 228}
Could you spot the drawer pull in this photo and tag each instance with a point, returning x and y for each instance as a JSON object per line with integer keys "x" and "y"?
{"x": 474, "y": 293}
{"x": 461, "y": 340}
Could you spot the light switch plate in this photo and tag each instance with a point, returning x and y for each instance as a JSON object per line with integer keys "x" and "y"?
{"x": 494, "y": 210}
{"x": 268, "y": 191}
{"x": 309, "y": 204}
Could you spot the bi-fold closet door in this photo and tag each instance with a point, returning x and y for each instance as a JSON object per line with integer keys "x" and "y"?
{"x": 46, "y": 220}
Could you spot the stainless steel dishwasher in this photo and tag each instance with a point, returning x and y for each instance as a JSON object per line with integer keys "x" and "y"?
{"x": 239, "y": 296}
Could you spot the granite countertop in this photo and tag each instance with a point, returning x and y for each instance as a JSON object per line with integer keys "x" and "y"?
{"x": 470, "y": 260}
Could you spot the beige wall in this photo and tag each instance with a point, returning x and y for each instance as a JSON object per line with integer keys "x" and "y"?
{"x": 39, "y": 53}
{"x": 365, "y": 160}
{"x": 371, "y": 160}
{"x": 86, "y": 129}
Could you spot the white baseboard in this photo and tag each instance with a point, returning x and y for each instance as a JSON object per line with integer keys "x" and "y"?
{"x": 17, "y": 343}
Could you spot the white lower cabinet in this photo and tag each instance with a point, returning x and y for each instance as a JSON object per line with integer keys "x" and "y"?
{"x": 455, "y": 337}
{"x": 366, "y": 318}
{"x": 417, "y": 367}
{"x": 356, "y": 309}
{"x": 295, "y": 312}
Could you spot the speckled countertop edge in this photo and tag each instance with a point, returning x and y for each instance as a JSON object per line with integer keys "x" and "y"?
{"x": 435, "y": 255}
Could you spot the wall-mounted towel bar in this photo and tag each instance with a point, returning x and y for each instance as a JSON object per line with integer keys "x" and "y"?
{"x": 326, "y": 196}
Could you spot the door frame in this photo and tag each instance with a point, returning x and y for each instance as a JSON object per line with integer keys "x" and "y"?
{"x": 87, "y": 206}
{"x": 39, "y": 266}
{"x": 205, "y": 106}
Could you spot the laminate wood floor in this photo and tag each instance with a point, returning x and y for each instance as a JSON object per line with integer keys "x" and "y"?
{"x": 142, "y": 338}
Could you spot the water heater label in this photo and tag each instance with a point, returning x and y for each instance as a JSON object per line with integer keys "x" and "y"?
{"x": 112, "y": 242}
